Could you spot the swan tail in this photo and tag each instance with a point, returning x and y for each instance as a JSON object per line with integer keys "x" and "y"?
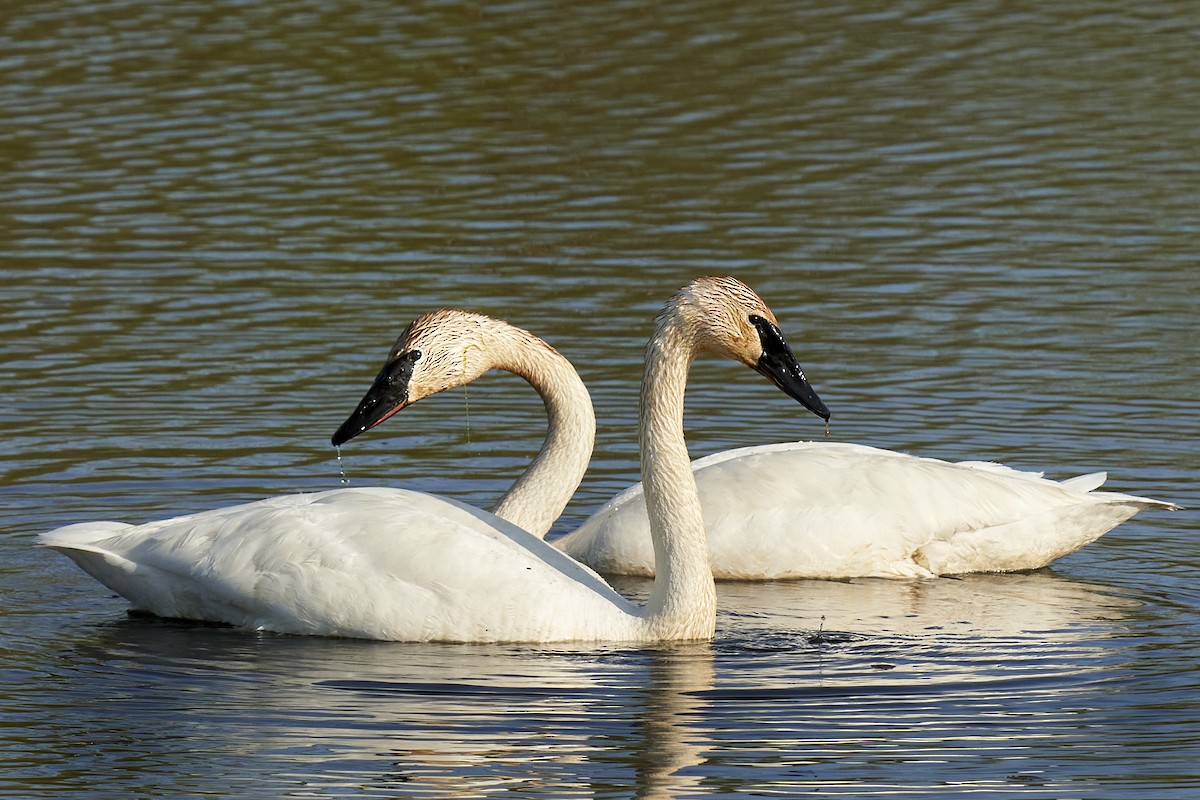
{"x": 1035, "y": 541}
{"x": 1139, "y": 503}
{"x": 84, "y": 544}
{"x": 1088, "y": 484}
{"x": 1085, "y": 483}
{"x": 87, "y": 545}
{"x": 82, "y": 536}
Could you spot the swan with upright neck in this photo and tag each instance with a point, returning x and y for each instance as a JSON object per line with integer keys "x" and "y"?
{"x": 824, "y": 509}
{"x": 838, "y": 510}
{"x": 396, "y": 565}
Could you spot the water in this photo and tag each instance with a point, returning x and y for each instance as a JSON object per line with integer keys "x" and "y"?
{"x": 977, "y": 224}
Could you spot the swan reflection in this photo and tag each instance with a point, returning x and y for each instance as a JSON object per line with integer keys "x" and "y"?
{"x": 998, "y": 604}
{"x": 793, "y": 668}
{"x": 427, "y": 720}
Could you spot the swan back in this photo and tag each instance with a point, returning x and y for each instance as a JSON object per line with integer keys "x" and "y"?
{"x": 838, "y": 510}
{"x": 361, "y": 562}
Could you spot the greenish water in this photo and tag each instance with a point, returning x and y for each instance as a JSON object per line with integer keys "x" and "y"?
{"x": 977, "y": 223}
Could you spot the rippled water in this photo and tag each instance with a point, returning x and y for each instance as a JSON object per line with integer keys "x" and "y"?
{"x": 977, "y": 224}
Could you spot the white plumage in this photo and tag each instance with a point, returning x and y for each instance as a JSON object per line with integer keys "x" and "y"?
{"x": 831, "y": 510}
{"x": 373, "y": 563}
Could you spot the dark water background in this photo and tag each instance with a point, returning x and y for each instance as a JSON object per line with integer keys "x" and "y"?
{"x": 978, "y": 223}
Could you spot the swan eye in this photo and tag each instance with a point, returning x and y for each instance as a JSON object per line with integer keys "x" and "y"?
{"x": 414, "y": 356}
{"x": 756, "y": 320}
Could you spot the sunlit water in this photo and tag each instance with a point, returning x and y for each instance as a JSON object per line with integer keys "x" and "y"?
{"x": 977, "y": 222}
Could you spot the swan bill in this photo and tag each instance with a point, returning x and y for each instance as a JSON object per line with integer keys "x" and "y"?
{"x": 386, "y": 396}
{"x": 778, "y": 364}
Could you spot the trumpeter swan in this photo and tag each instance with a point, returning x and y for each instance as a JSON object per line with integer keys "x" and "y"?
{"x": 388, "y": 564}
{"x": 831, "y": 510}
{"x": 827, "y": 510}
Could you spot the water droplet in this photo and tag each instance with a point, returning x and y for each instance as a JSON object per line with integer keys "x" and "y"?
{"x": 341, "y": 466}
{"x": 467, "y": 414}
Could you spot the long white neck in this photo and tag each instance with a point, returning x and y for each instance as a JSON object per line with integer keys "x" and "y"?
{"x": 683, "y": 602}
{"x": 538, "y": 497}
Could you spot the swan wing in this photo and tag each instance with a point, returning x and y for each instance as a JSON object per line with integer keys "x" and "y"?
{"x": 834, "y": 510}
{"x": 373, "y": 563}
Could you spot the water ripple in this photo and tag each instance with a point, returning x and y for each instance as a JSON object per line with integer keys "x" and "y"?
{"x": 976, "y": 224}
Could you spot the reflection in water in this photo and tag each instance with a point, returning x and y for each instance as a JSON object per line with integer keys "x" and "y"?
{"x": 654, "y": 729}
{"x": 775, "y": 693}
{"x": 1042, "y": 603}
{"x": 672, "y": 725}
{"x": 439, "y": 721}
{"x": 897, "y": 673}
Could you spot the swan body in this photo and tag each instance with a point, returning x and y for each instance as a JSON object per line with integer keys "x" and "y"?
{"x": 373, "y": 563}
{"x": 832, "y": 510}
{"x": 326, "y": 563}
{"x": 398, "y": 565}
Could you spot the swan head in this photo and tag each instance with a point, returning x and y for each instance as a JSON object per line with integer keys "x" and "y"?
{"x": 437, "y": 351}
{"x": 728, "y": 319}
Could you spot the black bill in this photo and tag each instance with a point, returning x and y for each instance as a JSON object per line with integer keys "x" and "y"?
{"x": 386, "y": 396}
{"x": 779, "y": 364}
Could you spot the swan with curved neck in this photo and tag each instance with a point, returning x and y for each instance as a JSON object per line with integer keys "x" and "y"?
{"x": 398, "y": 565}
{"x": 456, "y": 348}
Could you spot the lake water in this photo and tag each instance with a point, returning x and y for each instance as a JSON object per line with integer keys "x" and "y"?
{"x": 978, "y": 224}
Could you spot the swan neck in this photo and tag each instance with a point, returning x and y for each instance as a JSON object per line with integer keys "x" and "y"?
{"x": 682, "y": 603}
{"x": 537, "y": 498}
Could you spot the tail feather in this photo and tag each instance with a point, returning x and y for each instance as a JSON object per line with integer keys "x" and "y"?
{"x": 81, "y": 536}
{"x": 1085, "y": 483}
{"x": 1089, "y": 483}
{"x": 1142, "y": 503}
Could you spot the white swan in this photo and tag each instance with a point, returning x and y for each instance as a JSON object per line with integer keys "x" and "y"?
{"x": 189, "y": 566}
{"x": 387, "y": 564}
{"x": 830, "y": 510}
